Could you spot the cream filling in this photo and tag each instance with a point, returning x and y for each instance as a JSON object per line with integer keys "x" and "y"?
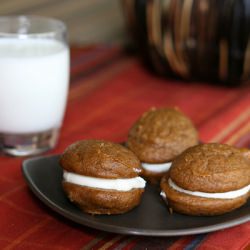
{"x": 226, "y": 195}
{"x": 157, "y": 168}
{"x": 163, "y": 195}
{"x": 115, "y": 184}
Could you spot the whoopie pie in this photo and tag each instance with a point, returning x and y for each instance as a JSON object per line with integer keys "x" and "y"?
{"x": 208, "y": 179}
{"x": 101, "y": 177}
{"x": 157, "y": 137}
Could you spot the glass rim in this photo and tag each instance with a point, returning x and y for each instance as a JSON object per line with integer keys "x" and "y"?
{"x": 59, "y": 26}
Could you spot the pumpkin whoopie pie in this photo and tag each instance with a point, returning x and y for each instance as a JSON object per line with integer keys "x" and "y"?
{"x": 208, "y": 179}
{"x": 157, "y": 137}
{"x": 101, "y": 177}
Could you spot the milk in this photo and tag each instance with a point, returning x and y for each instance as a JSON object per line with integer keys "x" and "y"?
{"x": 33, "y": 84}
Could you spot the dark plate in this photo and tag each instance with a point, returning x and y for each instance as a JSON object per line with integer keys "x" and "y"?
{"x": 151, "y": 217}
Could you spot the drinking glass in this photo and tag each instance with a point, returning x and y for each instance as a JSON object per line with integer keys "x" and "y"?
{"x": 34, "y": 78}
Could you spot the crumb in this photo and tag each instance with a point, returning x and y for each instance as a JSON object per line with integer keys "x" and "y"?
{"x": 170, "y": 209}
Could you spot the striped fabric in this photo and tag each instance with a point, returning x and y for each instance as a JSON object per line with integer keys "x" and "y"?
{"x": 109, "y": 90}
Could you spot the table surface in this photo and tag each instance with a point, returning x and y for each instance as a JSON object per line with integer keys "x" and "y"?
{"x": 109, "y": 90}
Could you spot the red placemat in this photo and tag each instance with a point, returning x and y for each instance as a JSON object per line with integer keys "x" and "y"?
{"x": 109, "y": 90}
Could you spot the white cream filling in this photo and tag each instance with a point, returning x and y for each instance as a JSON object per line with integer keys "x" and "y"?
{"x": 115, "y": 184}
{"x": 163, "y": 195}
{"x": 157, "y": 168}
{"x": 225, "y": 195}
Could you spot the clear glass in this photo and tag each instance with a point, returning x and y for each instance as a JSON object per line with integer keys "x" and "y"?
{"x": 34, "y": 79}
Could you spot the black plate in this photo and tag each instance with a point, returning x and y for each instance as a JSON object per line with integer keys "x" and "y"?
{"x": 151, "y": 217}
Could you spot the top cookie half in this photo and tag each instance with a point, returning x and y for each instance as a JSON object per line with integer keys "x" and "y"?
{"x": 100, "y": 159}
{"x": 161, "y": 134}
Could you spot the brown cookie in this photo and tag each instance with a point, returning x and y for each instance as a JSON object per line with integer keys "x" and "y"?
{"x": 100, "y": 201}
{"x": 95, "y": 161}
{"x": 101, "y": 159}
{"x": 160, "y": 135}
{"x": 212, "y": 170}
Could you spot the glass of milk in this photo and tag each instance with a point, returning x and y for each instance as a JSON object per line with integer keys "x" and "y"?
{"x": 34, "y": 79}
